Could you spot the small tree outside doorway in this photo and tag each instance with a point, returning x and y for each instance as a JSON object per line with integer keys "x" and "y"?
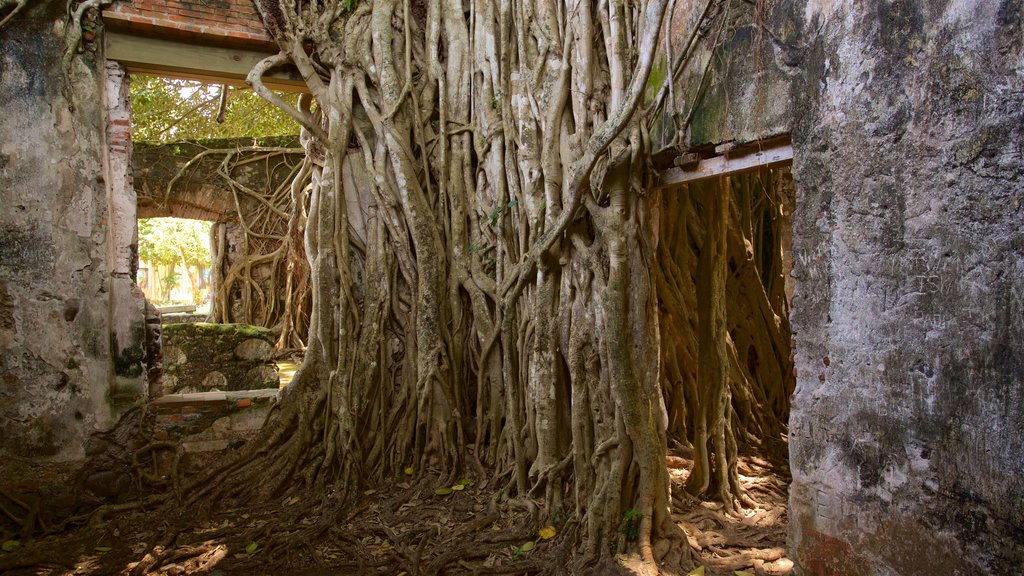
{"x": 174, "y": 260}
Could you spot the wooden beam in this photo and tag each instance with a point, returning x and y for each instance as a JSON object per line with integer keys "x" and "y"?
{"x": 725, "y": 165}
{"x": 211, "y": 64}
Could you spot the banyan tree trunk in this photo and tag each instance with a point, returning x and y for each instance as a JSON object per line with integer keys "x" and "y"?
{"x": 513, "y": 310}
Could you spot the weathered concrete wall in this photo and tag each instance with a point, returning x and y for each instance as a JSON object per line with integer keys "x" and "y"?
{"x": 908, "y": 419}
{"x": 57, "y": 376}
{"x": 743, "y": 90}
{"x": 170, "y": 184}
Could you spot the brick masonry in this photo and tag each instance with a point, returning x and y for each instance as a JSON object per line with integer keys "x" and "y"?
{"x": 210, "y": 421}
{"x": 234, "y": 22}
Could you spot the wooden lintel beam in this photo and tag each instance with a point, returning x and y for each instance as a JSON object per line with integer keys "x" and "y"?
{"x": 176, "y": 59}
{"x": 731, "y": 164}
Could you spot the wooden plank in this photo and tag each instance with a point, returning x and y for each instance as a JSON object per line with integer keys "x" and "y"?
{"x": 726, "y": 165}
{"x": 177, "y": 309}
{"x": 211, "y": 64}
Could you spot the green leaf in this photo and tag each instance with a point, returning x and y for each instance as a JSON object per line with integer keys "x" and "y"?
{"x": 251, "y": 547}
{"x": 370, "y": 492}
{"x": 527, "y": 546}
{"x": 409, "y": 471}
{"x": 169, "y": 110}
{"x": 11, "y": 545}
{"x": 742, "y": 573}
{"x": 103, "y": 548}
{"x": 698, "y": 571}
{"x": 464, "y": 482}
{"x": 443, "y": 491}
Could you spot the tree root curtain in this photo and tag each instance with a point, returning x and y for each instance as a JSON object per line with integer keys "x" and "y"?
{"x": 521, "y": 304}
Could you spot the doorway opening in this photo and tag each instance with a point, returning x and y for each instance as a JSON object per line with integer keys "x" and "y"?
{"x": 212, "y": 166}
{"x": 730, "y": 328}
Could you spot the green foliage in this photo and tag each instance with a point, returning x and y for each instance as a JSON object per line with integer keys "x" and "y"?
{"x": 631, "y": 524}
{"x": 166, "y": 109}
{"x": 170, "y": 282}
{"x": 167, "y": 241}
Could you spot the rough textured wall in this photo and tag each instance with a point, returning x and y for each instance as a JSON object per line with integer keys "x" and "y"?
{"x": 128, "y": 340}
{"x": 197, "y": 191}
{"x": 204, "y": 357}
{"x": 742, "y": 90}
{"x": 908, "y": 419}
{"x": 56, "y": 373}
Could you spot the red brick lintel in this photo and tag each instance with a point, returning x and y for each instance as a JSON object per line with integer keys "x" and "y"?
{"x": 203, "y": 32}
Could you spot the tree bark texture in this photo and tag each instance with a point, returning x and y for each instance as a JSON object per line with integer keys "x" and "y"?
{"x": 505, "y": 315}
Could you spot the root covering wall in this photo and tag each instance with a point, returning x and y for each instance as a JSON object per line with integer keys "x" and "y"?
{"x": 908, "y": 416}
{"x": 65, "y": 366}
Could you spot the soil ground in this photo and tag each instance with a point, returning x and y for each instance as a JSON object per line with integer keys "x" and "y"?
{"x": 402, "y": 528}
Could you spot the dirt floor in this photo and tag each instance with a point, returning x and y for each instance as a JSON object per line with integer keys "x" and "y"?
{"x": 409, "y": 527}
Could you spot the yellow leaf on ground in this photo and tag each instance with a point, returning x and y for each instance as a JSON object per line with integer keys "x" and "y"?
{"x": 251, "y": 547}
{"x": 291, "y": 501}
{"x": 465, "y": 482}
{"x": 742, "y": 573}
{"x": 409, "y": 471}
{"x": 443, "y": 491}
{"x": 458, "y": 487}
{"x": 547, "y": 532}
{"x": 370, "y": 492}
{"x": 698, "y": 571}
{"x": 102, "y": 548}
{"x": 11, "y": 545}
{"x": 526, "y": 547}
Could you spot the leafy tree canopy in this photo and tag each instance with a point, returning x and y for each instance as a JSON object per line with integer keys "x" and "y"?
{"x": 174, "y": 240}
{"x": 168, "y": 109}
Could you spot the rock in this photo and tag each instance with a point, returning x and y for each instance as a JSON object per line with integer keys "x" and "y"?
{"x": 173, "y": 355}
{"x": 255, "y": 349}
{"x": 263, "y": 377}
{"x": 215, "y": 380}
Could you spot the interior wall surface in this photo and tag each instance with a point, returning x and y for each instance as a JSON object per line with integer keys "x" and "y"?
{"x": 908, "y": 416}
{"x": 62, "y": 371}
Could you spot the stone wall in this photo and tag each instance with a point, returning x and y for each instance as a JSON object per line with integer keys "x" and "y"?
{"x": 202, "y": 357}
{"x": 62, "y": 371}
{"x": 908, "y": 419}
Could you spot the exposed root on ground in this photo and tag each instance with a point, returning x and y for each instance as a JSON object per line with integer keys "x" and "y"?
{"x": 413, "y": 525}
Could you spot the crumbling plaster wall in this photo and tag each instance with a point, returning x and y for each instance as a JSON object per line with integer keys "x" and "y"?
{"x": 908, "y": 418}
{"x": 64, "y": 321}
{"x": 737, "y": 84}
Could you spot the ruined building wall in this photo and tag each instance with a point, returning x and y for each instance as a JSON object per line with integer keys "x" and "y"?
{"x": 908, "y": 416}
{"x": 66, "y": 368}
{"x": 736, "y": 85}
